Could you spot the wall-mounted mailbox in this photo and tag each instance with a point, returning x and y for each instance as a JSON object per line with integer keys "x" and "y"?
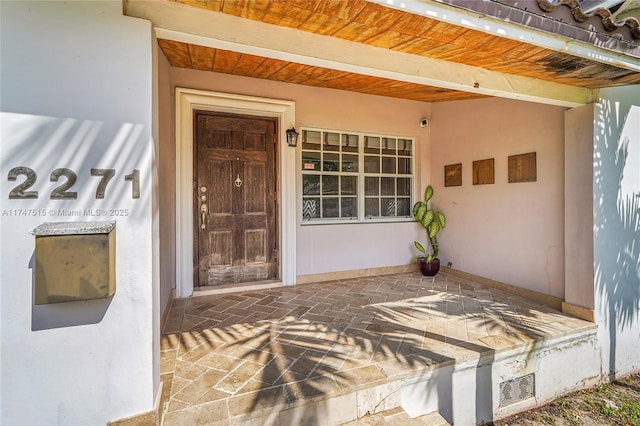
{"x": 74, "y": 261}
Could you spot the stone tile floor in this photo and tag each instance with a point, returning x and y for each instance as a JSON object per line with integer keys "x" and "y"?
{"x": 226, "y": 356}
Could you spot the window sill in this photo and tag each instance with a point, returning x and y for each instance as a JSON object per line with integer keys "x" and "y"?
{"x": 323, "y": 222}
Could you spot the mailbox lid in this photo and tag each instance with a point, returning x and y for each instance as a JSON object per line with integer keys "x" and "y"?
{"x": 74, "y": 228}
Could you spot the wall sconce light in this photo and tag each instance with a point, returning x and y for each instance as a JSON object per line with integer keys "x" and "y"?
{"x": 292, "y": 136}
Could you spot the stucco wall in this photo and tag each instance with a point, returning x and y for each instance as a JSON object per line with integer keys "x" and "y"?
{"x": 77, "y": 94}
{"x": 510, "y": 232}
{"x": 330, "y": 248}
{"x": 167, "y": 182}
{"x": 616, "y": 236}
{"x": 578, "y": 195}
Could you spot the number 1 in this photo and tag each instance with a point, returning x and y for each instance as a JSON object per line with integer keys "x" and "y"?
{"x": 134, "y": 177}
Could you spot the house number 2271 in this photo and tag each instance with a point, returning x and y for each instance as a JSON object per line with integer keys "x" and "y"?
{"x": 68, "y": 178}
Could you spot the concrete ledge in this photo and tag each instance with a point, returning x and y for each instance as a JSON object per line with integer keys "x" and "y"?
{"x": 149, "y": 418}
{"x": 454, "y": 392}
{"x": 578, "y": 311}
{"x": 144, "y": 419}
{"x": 544, "y": 299}
{"x": 355, "y": 273}
{"x": 330, "y": 409}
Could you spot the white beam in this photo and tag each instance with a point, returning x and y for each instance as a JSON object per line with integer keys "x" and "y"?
{"x": 175, "y": 21}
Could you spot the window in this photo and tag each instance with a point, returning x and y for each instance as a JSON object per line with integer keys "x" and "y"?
{"x": 348, "y": 176}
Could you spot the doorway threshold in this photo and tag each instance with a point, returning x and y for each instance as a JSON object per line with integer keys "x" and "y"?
{"x": 235, "y": 287}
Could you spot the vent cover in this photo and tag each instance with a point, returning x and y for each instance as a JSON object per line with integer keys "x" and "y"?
{"x": 517, "y": 389}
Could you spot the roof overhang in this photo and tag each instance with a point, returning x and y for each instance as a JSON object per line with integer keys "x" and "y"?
{"x": 182, "y": 25}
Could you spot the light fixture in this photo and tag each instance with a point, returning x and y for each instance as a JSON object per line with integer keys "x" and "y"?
{"x": 292, "y": 136}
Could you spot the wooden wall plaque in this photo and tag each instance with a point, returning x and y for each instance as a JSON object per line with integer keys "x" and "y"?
{"x": 483, "y": 172}
{"x": 453, "y": 175}
{"x": 522, "y": 168}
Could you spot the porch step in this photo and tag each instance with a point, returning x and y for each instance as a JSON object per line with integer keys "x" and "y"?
{"x": 399, "y": 417}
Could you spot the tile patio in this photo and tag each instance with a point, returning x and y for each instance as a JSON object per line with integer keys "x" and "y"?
{"x": 267, "y": 356}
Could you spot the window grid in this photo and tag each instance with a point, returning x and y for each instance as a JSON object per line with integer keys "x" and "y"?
{"x": 388, "y": 177}
{"x": 348, "y": 176}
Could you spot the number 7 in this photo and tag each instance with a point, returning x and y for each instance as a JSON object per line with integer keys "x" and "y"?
{"x": 106, "y": 174}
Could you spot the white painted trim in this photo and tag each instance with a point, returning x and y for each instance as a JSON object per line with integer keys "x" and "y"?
{"x": 178, "y": 22}
{"x": 187, "y": 100}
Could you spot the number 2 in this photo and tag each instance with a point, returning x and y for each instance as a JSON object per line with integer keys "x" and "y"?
{"x": 19, "y": 191}
{"x": 60, "y": 191}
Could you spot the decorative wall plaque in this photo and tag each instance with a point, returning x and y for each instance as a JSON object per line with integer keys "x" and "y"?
{"x": 522, "y": 168}
{"x": 483, "y": 172}
{"x": 453, "y": 175}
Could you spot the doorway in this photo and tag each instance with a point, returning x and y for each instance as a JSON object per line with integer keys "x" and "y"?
{"x": 188, "y": 101}
{"x": 235, "y": 198}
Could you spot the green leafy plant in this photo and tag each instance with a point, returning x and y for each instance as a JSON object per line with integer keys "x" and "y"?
{"x": 432, "y": 222}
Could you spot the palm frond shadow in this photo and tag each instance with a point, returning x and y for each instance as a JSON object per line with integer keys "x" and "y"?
{"x": 616, "y": 227}
{"x": 362, "y": 338}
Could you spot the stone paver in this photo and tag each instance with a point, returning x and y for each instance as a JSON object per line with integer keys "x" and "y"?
{"x": 258, "y": 352}
{"x": 398, "y": 417}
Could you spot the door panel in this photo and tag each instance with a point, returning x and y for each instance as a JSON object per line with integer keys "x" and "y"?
{"x": 254, "y": 195}
{"x": 220, "y": 248}
{"x": 216, "y": 139}
{"x": 221, "y": 195}
{"x": 234, "y": 202}
{"x": 255, "y": 243}
{"x": 254, "y": 142}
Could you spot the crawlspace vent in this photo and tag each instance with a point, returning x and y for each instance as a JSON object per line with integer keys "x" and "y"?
{"x": 517, "y": 389}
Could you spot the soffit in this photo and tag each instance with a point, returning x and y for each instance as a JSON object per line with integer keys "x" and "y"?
{"x": 187, "y": 55}
{"x": 375, "y": 25}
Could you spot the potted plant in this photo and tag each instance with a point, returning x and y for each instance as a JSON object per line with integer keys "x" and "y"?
{"x": 432, "y": 222}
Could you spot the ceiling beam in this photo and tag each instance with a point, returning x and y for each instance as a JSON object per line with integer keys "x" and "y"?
{"x": 176, "y": 21}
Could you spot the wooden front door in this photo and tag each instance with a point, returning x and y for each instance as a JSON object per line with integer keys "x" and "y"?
{"x": 234, "y": 199}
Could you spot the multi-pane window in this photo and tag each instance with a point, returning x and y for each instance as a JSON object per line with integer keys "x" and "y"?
{"x": 349, "y": 176}
{"x": 387, "y": 176}
{"x": 330, "y": 169}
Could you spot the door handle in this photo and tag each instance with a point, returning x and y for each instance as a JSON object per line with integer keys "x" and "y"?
{"x": 203, "y": 210}
{"x": 203, "y": 207}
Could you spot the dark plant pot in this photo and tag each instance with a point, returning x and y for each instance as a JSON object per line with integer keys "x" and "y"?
{"x": 430, "y": 268}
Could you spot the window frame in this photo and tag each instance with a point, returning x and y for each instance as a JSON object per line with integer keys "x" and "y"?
{"x": 361, "y": 176}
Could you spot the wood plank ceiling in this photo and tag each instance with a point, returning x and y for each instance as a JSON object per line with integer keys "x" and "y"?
{"x": 376, "y": 25}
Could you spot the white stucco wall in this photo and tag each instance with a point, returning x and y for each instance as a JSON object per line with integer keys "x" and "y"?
{"x": 616, "y": 236}
{"x": 510, "y": 232}
{"x": 331, "y": 248}
{"x": 77, "y": 93}
{"x": 578, "y": 195}
{"x": 167, "y": 182}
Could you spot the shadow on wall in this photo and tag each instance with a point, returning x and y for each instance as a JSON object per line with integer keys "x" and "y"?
{"x": 68, "y": 170}
{"x": 616, "y": 226}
